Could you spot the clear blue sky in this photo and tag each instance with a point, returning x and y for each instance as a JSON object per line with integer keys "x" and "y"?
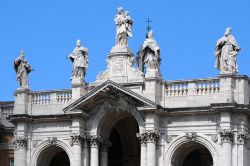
{"x": 47, "y": 31}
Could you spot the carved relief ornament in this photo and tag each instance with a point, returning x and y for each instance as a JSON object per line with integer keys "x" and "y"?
{"x": 95, "y": 140}
{"x": 20, "y": 142}
{"x": 242, "y": 137}
{"x": 76, "y": 139}
{"x": 226, "y": 135}
{"x": 191, "y": 136}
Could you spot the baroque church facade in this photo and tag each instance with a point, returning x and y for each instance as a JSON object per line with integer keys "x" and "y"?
{"x": 130, "y": 116}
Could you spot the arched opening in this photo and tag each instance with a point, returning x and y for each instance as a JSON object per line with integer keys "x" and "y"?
{"x": 53, "y": 156}
{"x": 124, "y": 149}
{"x": 192, "y": 154}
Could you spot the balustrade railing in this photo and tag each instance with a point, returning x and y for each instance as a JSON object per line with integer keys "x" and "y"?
{"x": 192, "y": 87}
{"x": 51, "y": 97}
{"x": 6, "y": 109}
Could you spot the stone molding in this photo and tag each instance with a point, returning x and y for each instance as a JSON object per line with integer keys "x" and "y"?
{"x": 242, "y": 137}
{"x": 95, "y": 140}
{"x": 52, "y": 140}
{"x": 20, "y": 142}
{"x": 77, "y": 139}
{"x": 191, "y": 136}
{"x": 226, "y": 136}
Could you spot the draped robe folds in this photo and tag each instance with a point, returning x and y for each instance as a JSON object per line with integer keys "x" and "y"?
{"x": 226, "y": 54}
{"x": 149, "y": 54}
{"x": 22, "y": 70}
{"x": 123, "y": 29}
{"x": 79, "y": 57}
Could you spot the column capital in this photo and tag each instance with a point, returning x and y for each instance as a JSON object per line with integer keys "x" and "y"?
{"x": 142, "y": 138}
{"x": 20, "y": 142}
{"x": 152, "y": 136}
{"x": 95, "y": 140}
{"x": 76, "y": 139}
{"x": 242, "y": 137}
{"x": 226, "y": 136}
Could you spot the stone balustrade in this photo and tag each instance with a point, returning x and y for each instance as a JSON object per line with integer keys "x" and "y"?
{"x": 51, "y": 97}
{"x": 192, "y": 87}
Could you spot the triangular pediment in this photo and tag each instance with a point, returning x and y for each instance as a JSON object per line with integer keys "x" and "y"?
{"x": 109, "y": 90}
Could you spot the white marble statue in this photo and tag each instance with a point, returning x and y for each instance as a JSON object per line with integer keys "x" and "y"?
{"x": 22, "y": 69}
{"x": 123, "y": 28}
{"x": 226, "y": 54}
{"x": 149, "y": 54}
{"x": 79, "y": 58}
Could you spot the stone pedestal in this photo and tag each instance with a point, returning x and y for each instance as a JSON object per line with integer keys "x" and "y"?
{"x": 120, "y": 67}
{"x": 22, "y": 101}
{"x": 227, "y": 84}
{"x": 78, "y": 88}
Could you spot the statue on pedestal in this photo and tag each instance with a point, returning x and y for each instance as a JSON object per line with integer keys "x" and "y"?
{"x": 226, "y": 54}
{"x": 22, "y": 69}
{"x": 123, "y": 28}
{"x": 79, "y": 58}
{"x": 149, "y": 54}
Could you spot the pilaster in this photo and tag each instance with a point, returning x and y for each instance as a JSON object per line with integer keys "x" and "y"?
{"x": 20, "y": 147}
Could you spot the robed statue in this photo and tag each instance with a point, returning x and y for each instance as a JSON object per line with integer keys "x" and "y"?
{"x": 22, "y": 69}
{"x": 123, "y": 27}
{"x": 149, "y": 54}
{"x": 226, "y": 54}
{"x": 79, "y": 58}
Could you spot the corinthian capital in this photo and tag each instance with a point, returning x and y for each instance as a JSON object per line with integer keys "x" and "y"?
{"x": 20, "y": 142}
{"x": 152, "y": 136}
{"x": 95, "y": 140}
{"x": 242, "y": 137}
{"x": 226, "y": 135}
{"x": 77, "y": 139}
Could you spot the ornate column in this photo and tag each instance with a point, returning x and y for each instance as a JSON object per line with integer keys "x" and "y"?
{"x": 76, "y": 142}
{"x": 20, "y": 145}
{"x": 104, "y": 153}
{"x": 152, "y": 138}
{"x": 242, "y": 138}
{"x": 94, "y": 142}
{"x": 226, "y": 140}
{"x": 85, "y": 153}
{"x": 143, "y": 140}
